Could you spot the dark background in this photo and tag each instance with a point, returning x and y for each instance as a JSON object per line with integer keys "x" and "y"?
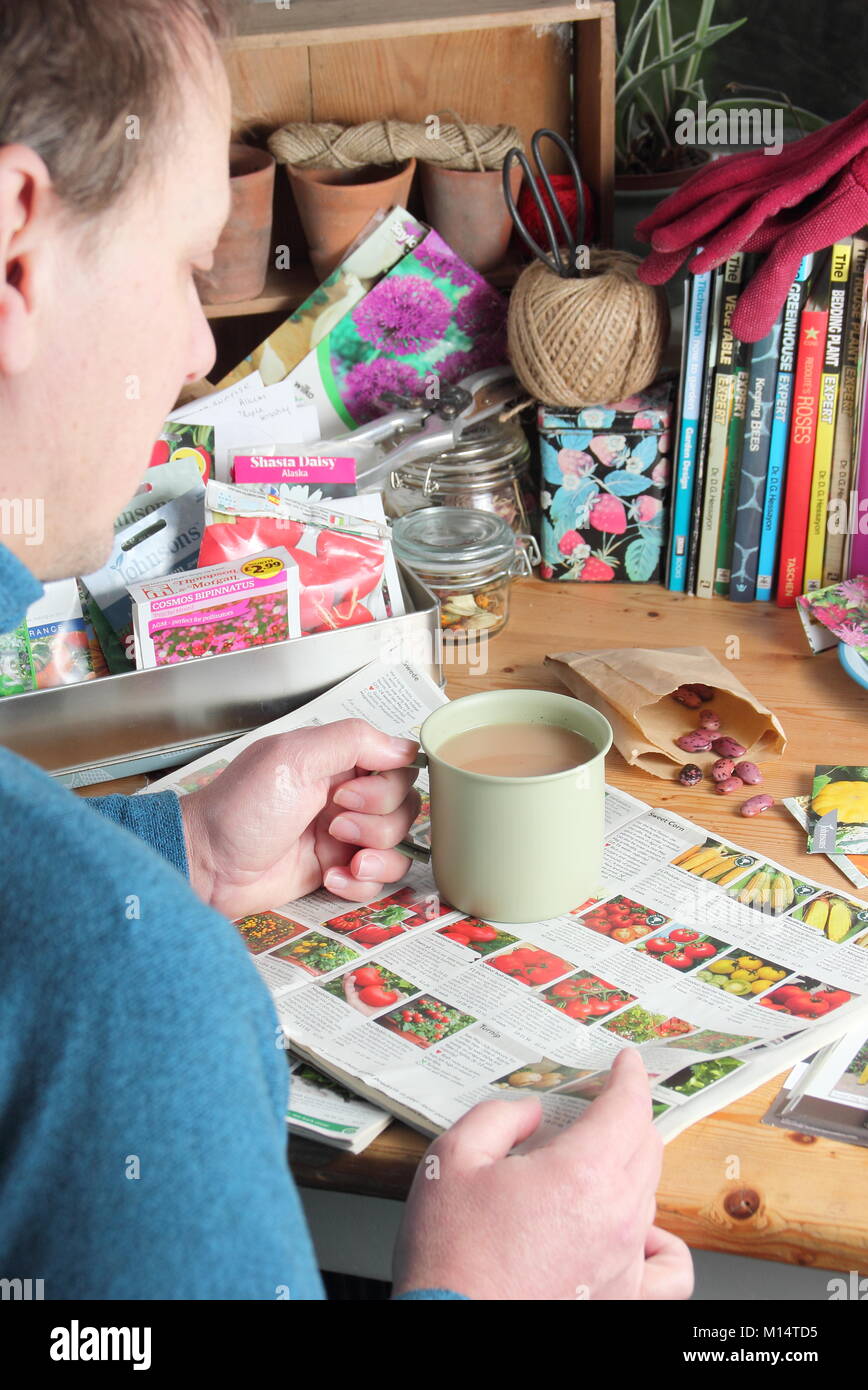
{"x": 816, "y": 51}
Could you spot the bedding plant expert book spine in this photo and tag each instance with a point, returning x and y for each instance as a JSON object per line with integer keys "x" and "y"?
{"x": 803, "y": 434}
{"x": 721, "y": 415}
{"x": 843, "y": 451}
{"x": 778, "y": 444}
{"x": 839, "y": 279}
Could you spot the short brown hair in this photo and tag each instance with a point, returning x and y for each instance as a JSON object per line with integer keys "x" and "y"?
{"x": 73, "y": 73}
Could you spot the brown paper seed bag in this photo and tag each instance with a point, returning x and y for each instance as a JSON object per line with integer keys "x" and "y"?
{"x": 632, "y": 687}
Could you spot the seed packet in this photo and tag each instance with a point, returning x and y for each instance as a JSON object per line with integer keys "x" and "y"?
{"x": 58, "y": 637}
{"x": 50, "y": 647}
{"x": 838, "y": 811}
{"x": 347, "y": 571}
{"x": 841, "y": 608}
{"x": 166, "y": 542}
{"x": 16, "y": 662}
{"x": 307, "y": 476}
{"x": 161, "y": 484}
{"x": 183, "y": 440}
{"x": 223, "y": 608}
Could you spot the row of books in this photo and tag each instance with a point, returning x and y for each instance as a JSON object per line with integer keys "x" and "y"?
{"x": 770, "y": 488}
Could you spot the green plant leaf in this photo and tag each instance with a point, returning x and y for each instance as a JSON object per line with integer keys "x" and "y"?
{"x": 641, "y": 559}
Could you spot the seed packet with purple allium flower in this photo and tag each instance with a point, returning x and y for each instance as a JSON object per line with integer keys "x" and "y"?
{"x": 431, "y": 321}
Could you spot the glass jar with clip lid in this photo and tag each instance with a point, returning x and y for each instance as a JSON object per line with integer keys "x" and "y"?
{"x": 487, "y": 469}
{"x": 468, "y": 559}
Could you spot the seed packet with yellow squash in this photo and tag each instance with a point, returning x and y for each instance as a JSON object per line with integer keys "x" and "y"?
{"x": 838, "y": 811}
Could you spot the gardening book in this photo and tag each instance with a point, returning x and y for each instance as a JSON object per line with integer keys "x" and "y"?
{"x": 803, "y": 437}
{"x": 732, "y": 478}
{"x": 818, "y": 510}
{"x": 764, "y": 359}
{"x": 841, "y": 480}
{"x": 712, "y": 340}
{"x": 690, "y": 397}
{"x": 779, "y": 442}
{"x": 321, "y": 1108}
{"x": 857, "y": 538}
{"x": 725, "y": 379}
{"x": 710, "y": 959}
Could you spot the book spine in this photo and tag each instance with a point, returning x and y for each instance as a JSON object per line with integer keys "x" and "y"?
{"x": 712, "y": 339}
{"x": 800, "y": 454}
{"x": 691, "y": 404}
{"x": 818, "y": 510}
{"x": 859, "y": 478}
{"x": 858, "y": 525}
{"x": 843, "y": 450}
{"x": 773, "y": 507}
{"x": 732, "y": 470}
{"x": 756, "y": 445}
{"x": 721, "y": 414}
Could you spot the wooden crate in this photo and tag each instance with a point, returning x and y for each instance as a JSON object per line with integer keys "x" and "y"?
{"x": 524, "y": 64}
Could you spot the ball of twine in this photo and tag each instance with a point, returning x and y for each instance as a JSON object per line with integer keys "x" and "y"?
{"x": 458, "y": 144}
{"x": 588, "y": 341}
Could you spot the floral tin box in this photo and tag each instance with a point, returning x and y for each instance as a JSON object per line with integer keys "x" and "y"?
{"x": 605, "y": 486}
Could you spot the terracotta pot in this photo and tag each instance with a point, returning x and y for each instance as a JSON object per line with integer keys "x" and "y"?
{"x": 242, "y": 254}
{"x": 468, "y": 209}
{"x": 335, "y": 205}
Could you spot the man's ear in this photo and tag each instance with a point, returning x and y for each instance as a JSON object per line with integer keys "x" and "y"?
{"x": 25, "y": 197}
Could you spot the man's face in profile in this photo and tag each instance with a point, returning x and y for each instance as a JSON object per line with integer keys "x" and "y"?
{"x": 100, "y": 321}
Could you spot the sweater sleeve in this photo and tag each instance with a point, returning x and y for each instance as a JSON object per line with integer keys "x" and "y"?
{"x": 155, "y": 818}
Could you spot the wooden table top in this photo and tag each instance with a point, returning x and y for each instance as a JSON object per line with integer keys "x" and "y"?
{"x": 729, "y": 1183}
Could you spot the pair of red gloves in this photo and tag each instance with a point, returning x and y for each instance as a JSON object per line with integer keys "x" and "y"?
{"x": 812, "y": 194}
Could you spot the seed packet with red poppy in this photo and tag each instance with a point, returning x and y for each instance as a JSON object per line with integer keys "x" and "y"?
{"x": 347, "y": 572}
{"x": 224, "y": 608}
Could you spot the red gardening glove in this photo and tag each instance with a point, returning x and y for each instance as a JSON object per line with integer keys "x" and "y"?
{"x": 706, "y": 202}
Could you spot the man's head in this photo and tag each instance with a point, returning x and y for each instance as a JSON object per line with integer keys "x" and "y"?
{"x": 114, "y": 186}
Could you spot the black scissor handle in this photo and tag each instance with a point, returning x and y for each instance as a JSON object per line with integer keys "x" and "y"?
{"x": 555, "y": 262}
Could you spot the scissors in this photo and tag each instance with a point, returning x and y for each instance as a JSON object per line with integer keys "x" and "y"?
{"x": 568, "y": 268}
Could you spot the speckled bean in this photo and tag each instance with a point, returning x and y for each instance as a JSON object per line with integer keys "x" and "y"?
{"x": 705, "y": 692}
{"x": 749, "y": 773}
{"x": 755, "y": 805}
{"x": 723, "y": 768}
{"x": 695, "y": 742}
{"x": 728, "y": 747}
{"x": 686, "y": 696}
{"x": 708, "y": 719}
{"x": 729, "y": 784}
{"x": 690, "y": 775}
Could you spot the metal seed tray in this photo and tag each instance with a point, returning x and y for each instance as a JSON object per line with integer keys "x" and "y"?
{"x": 144, "y": 720}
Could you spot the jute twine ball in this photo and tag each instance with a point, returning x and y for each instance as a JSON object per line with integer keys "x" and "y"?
{"x": 588, "y": 341}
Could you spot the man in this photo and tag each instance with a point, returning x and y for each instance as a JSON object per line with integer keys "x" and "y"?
{"x": 142, "y": 1085}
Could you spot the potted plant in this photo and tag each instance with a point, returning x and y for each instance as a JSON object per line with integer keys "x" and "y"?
{"x": 659, "y": 92}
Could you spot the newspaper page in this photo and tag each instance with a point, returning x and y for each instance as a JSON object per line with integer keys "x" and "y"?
{"x": 719, "y": 965}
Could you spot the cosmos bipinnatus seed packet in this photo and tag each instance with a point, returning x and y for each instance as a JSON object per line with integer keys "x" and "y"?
{"x": 838, "y": 811}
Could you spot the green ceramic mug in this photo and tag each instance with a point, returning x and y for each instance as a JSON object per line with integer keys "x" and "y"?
{"x": 516, "y": 849}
